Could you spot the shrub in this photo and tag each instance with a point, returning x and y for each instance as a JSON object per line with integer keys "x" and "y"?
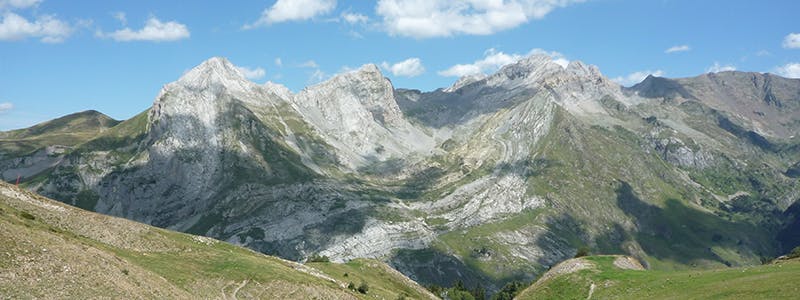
{"x": 795, "y": 253}
{"x": 351, "y": 286}
{"x": 582, "y": 251}
{"x": 319, "y": 258}
{"x": 510, "y": 290}
{"x": 27, "y": 215}
{"x": 363, "y": 287}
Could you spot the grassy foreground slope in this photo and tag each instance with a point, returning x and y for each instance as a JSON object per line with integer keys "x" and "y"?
{"x": 51, "y": 250}
{"x": 615, "y": 277}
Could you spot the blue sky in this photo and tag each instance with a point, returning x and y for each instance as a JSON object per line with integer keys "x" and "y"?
{"x": 59, "y": 57}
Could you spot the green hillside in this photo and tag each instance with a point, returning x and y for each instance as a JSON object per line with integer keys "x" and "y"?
{"x": 51, "y": 250}
{"x": 599, "y": 277}
{"x": 69, "y": 130}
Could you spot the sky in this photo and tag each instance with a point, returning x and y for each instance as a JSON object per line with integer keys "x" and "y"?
{"x": 59, "y": 57}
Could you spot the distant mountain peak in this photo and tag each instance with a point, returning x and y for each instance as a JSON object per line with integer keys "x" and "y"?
{"x": 465, "y": 81}
{"x": 214, "y": 70}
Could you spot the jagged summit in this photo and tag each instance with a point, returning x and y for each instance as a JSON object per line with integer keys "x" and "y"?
{"x": 216, "y": 70}
{"x": 465, "y": 81}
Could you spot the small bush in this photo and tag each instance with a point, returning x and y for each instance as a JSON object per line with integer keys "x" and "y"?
{"x": 795, "y": 253}
{"x": 351, "y": 286}
{"x": 345, "y": 274}
{"x": 510, "y": 290}
{"x": 125, "y": 271}
{"x": 27, "y": 215}
{"x": 582, "y": 251}
{"x": 363, "y": 287}
{"x": 319, "y": 258}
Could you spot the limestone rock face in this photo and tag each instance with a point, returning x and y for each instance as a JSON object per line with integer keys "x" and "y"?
{"x": 495, "y": 177}
{"x": 357, "y": 114}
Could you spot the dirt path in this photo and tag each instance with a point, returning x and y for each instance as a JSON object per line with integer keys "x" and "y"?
{"x": 591, "y": 291}
{"x": 236, "y": 290}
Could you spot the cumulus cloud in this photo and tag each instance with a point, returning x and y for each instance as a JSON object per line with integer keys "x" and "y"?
{"x": 679, "y": 48}
{"x": 716, "y": 68}
{"x": 494, "y": 60}
{"x": 18, "y": 3}
{"x": 154, "y": 30}
{"x": 252, "y": 73}
{"x": 636, "y": 77}
{"x": 47, "y": 28}
{"x": 790, "y": 70}
{"x": 791, "y": 41}
{"x": 354, "y": 18}
{"x": 441, "y": 18}
{"x": 408, "y": 68}
{"x": 293, "y": 10}
{"x": 6, "y": 106}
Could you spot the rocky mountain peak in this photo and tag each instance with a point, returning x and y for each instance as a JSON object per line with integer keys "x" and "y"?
{"x": 214, "y": 71}
{"x": 278, "y": 89}
{"x": 465, "y": 81}
{"x": 581, "y": 69}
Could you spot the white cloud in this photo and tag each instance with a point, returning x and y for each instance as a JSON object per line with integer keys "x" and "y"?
{"x": 494, "y": 60}
{"x": 121, "y": 17}
{"x": 440, "y": 18}
{"x": 354, "y": 18}
{"x": 278, "y": 62}
{"x": 790, "y": 70}
{"x": 636, "y": 77}
{"x": 792, "y": 41}
{"x": 19, "y": 3}
{"x": 153, "y": 31}
{"x": 309, "y": 64}
{"x": 293, "y": 10}
{"x": 716, "y": 68}
{"x": 6, "y": 106}
{"x": 251, "y": 73}
{"x": 46, "y": 27}
{"x": 411, "y": 67}
{"x": 679, "y": 48}
{"x": 763, "y": 53}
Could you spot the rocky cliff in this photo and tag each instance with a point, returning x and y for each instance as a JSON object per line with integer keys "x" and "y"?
{"x": 495, "y": 178}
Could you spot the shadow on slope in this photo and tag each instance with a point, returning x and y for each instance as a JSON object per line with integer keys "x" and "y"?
{"x": 688, "y": 236}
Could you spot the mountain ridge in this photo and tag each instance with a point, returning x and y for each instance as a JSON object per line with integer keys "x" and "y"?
{"x": 530, "y": 163}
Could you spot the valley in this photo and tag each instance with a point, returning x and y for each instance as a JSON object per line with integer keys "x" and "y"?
{"x": 492, "y": 180}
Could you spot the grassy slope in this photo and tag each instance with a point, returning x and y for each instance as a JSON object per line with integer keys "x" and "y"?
{"x": 69, "y": 130}
{"x": 384, "y": 282}
{"x": 773, "y": 281}
{"x": 51, "y": 250}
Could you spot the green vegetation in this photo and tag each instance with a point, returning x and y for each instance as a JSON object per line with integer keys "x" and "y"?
{"x": 772, "y": 281}
{"x": 794, "y": 254}
{"x": 477, "y": 243}
{"x": 376, "y": 279}
{"x": 583, "y": 251}
{"x": 68, "y": 131}
{"x": 459, "y": 291}
{"x": 318, "y": 258}
{"x": 510, "y": 290}
{"x": 122, "y": 259}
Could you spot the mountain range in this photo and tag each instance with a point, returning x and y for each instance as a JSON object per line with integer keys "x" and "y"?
{"x": 494, "y": 179}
